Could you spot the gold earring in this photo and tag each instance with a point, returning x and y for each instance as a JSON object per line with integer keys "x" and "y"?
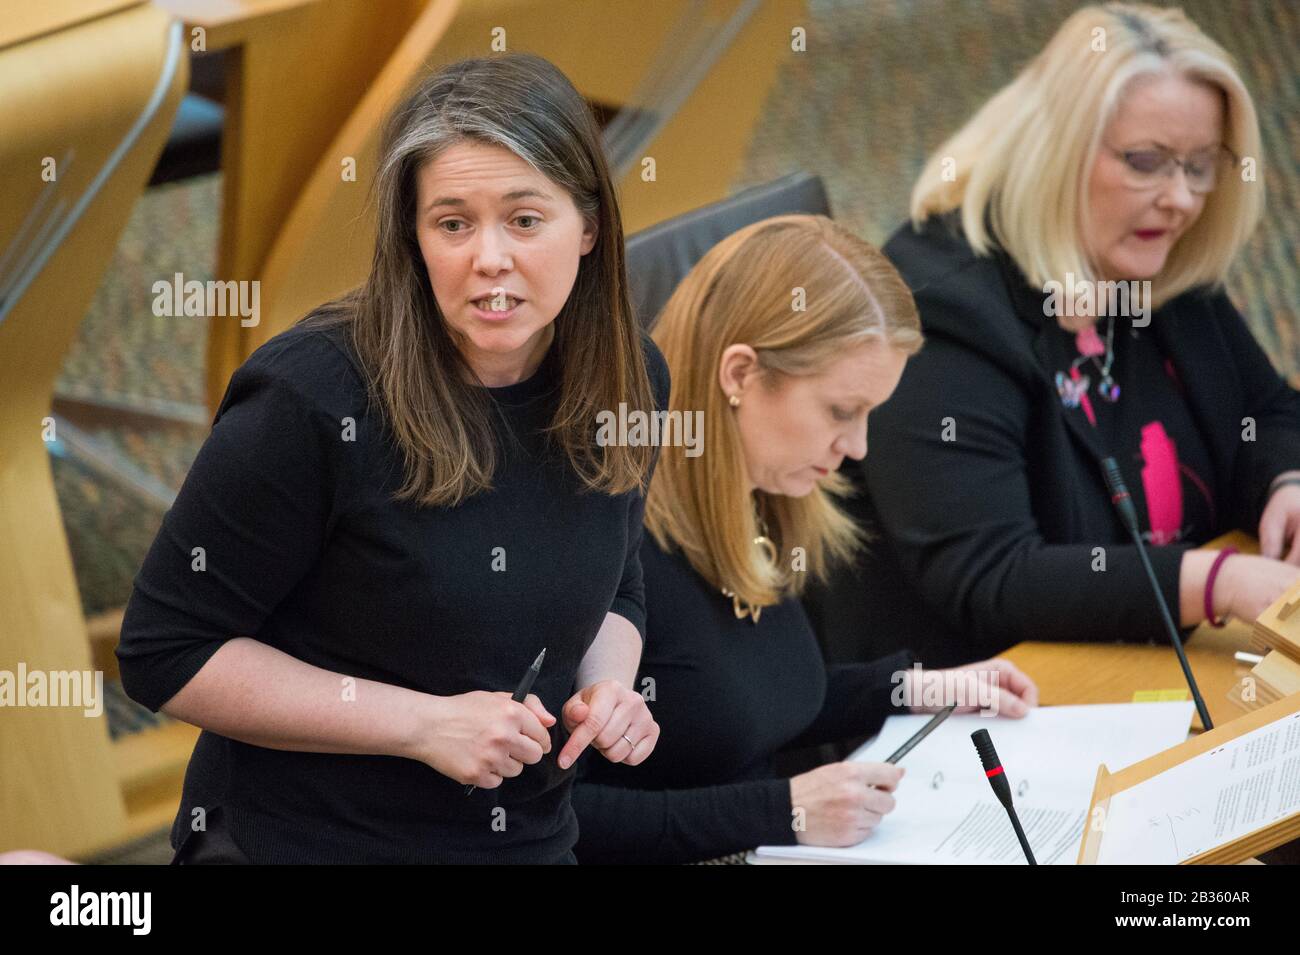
{"x": 733, "y": 400}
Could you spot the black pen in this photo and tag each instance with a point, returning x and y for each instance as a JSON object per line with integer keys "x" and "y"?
{"x": 921, "y": 734}
{"x": 522, "y": 690}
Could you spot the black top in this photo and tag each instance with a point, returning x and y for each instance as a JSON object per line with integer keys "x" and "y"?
{"x": 1003, "y": 539}
{"x": 1147, "y": 425}
{"x": 290, "y": 499}
{"x": 728, "y": 694}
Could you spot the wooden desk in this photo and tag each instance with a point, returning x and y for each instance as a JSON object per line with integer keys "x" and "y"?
{"x": 1113, "y": 672}
{"x": 1077, "y": 673}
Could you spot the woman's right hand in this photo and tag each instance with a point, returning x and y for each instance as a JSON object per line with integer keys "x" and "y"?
{"x": 842, "y": 802}
{"x": 480, "y": 738}
{"x": 1248, "y": 585}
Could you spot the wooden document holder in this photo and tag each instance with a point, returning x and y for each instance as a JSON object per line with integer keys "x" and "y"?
{"x": 1268, "y": 836}
{"x": 1277, "y": 634}
{"x": 1278, "y": 627}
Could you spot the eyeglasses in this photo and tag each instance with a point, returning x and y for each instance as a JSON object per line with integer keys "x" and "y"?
{"x": 1148, "y": 168}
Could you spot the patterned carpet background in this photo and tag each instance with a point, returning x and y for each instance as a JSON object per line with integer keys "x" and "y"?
{"x": 882, "y": 83}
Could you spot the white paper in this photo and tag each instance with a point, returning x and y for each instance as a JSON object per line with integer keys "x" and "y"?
{"x": 947, "y": 812}
{"x": 1208, "y": 801}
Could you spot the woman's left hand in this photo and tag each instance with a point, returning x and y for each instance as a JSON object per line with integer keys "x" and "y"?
{"x": 613, "y": 719}
{"x": 1279, "y": 525}
{"x": 997, "y": 685}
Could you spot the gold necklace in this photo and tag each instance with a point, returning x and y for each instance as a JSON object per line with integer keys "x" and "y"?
{"x": 741, "y": 608}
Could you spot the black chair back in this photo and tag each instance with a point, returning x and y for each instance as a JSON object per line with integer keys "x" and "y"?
{"x": 659, "y": 257}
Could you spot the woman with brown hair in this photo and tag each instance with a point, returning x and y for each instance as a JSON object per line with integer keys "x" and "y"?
{"x": 402, "y": 504}
{"x": 785, "y": 336}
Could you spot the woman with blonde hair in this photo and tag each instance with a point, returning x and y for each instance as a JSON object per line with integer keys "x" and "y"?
{"x": 1067, "y": 251}
{"x": 784, "y": 338}
{"x": 402, "y": 505}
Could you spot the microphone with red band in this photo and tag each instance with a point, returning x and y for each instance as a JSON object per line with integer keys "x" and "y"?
{"x": 1123, "y": 502}
{"x": 1001, "y": 785}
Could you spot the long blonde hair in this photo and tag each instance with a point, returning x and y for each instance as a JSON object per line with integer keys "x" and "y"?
{"x": 744, "y": 290}
{"x": 438, "y": 416}
{"x": 1019, "y": 168}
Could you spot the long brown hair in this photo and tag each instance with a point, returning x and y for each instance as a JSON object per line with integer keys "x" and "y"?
{"x": 434, "y": 406}
{"x": 741, "y": 292}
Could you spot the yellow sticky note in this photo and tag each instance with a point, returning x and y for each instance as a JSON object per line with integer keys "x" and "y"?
{"x": 1160, "y": 696}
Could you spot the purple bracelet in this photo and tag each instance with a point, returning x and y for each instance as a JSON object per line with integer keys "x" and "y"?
{"x": 1209, "y": 586}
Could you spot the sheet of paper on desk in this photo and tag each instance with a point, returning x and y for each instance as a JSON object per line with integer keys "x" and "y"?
{"x": 947, "y": 813}
{"x": 1208, "y": 801}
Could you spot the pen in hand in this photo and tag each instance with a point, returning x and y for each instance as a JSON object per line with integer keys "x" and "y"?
{"x": 522, "y": 691}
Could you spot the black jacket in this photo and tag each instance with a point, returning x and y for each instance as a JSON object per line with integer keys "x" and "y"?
{"x": 988, "y": 540}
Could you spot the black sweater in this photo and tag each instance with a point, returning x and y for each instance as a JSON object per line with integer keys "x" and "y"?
{"x": 728, "y": 694}
{"x": 305, "y": 551}
{"x": 997, "y": 544}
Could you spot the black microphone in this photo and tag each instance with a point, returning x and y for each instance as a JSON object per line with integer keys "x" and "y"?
{"x": 1119, "y": 495}
{"x": 1001, "y": 787}
{"x": 1123, "y": 502}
